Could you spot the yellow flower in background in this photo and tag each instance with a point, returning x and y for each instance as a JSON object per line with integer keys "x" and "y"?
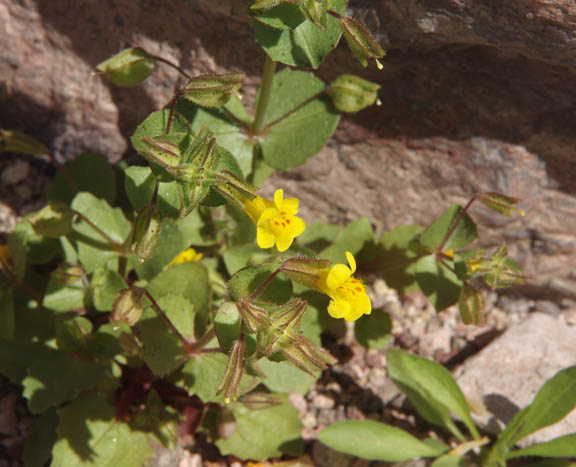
{"x": 348, "y": 294}
{"x": 187, "y": 255}
{"x": 276, "y": 221}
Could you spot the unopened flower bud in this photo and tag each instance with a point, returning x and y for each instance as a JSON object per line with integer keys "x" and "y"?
{"x": 351, "y": 93}
{"x": 128, "y": 306}
{"x": 306, "y": 355}
{"x": 254, "y": 317}
{"x": 471, "y": 305}
{"x": 129, "y": 67}
{"x": 147, "y": 229}
{"x": 305, "y": 271}
{"x": 361, "y": 43}
{"x": 161, "y": 151}
{"x": 20, "y": 143}
{"x": 53, "y": 221}
{"x": 68, "y": 274}
{"x": 213, "y": 90}
{"x": 230, "y": 383}
{"x": 501, "y": 203}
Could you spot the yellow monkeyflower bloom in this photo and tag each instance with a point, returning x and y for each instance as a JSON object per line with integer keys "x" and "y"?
{"x": 348, "y": 294}
{"x": 187, "y": 255}
{"x": 276, "y": 221}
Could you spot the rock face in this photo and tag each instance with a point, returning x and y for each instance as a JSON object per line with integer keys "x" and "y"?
{"x": 535, "y": 349}
{"x": 475, "y": 96}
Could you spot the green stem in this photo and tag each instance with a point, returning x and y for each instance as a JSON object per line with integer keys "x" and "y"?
{"x": 117, "y": 246}
{"x": 264, "y": 96}
{"x": 203, "y": 341}
{"x": 173, "y": 65}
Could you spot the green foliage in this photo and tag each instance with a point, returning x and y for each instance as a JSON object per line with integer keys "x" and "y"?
{"x": 290, "y": 38}
{"x": 264, "y": 433}
{"x": 375, "y": 441}
{"x": 109, "y": 319}
{"x": 437, "y": 398}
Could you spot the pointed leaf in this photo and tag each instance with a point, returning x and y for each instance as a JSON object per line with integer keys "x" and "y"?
{"x": 431, "y": 388}
{"x": 375, "y": 441}
{"x": 563, "y": 446}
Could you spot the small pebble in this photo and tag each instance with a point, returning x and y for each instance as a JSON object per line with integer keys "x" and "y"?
{"x": 322, "y": 401}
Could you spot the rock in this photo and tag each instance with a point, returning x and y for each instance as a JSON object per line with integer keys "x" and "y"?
{"x": 475, "y": 97}
{"x": 15, "y": 173}
{"x": 505, "y": 376}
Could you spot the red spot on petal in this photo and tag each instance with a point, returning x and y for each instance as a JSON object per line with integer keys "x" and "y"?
{"x": 359, "y": 289}
{"x": 276, "y": 223}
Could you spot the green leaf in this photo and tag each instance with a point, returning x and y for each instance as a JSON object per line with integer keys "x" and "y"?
{"x": 50, "y": 377}
{"x": 449, "y": 460}
{"x": 62, "y": 297}
{"x": 555, "y": 399}
{"x": 285, "y": 377}
{"x": 90, "y": 435}
{"x": 563, "y": 446}
{"x": 319, "y": 236}
{"x": 162, "y": 351}
{"x": 190, "y": 280}
{"x": 262, "y": 434}
{"x": 374, "y": 331}
{"x": 247, "y": 280}
{"x": 374, "y": 441}
{"x": 89, "y": 172}
{"x": 301, "y": 134}
{"x": 105, "y": 284}
{"x": 462, "y": 235}
{"x": 228, "y": 125}
{"x": 283, "y": 16}
{"x": 431, "y": 389}
{"x": 41, "y": 439}
{"x": 94, "y": 250}
{"x": 240, "y": 256}
{"x": 129, "y": 67}
{"x": 305, "y": 45}
{"x": 180, "y": 312}
{"x": 139, "y": 184}
{"x": 228, "y": 326}
{"x": 438, "y": 281}
{"x": 175, "y": 236}
{"x": 6, "y": 314}
{"x": 202, "y": 374}
{"x": 352, "y": 238}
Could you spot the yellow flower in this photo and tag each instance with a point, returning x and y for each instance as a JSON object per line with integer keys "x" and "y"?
{"x": 348, "y": 294}
{"x": 187, "y": 255}
{"x": 276, "y": 221}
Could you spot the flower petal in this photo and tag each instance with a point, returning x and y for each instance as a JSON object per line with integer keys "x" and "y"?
{"x": 279, "y": 198}
{"x": 351, "y": 261}
{"x": 265, "y": 238}
{"x": 283, "y": 242}
{"x": 337, "y": 276}
{"x": 338, "y": 308}
{"x": 290, "y": 205}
